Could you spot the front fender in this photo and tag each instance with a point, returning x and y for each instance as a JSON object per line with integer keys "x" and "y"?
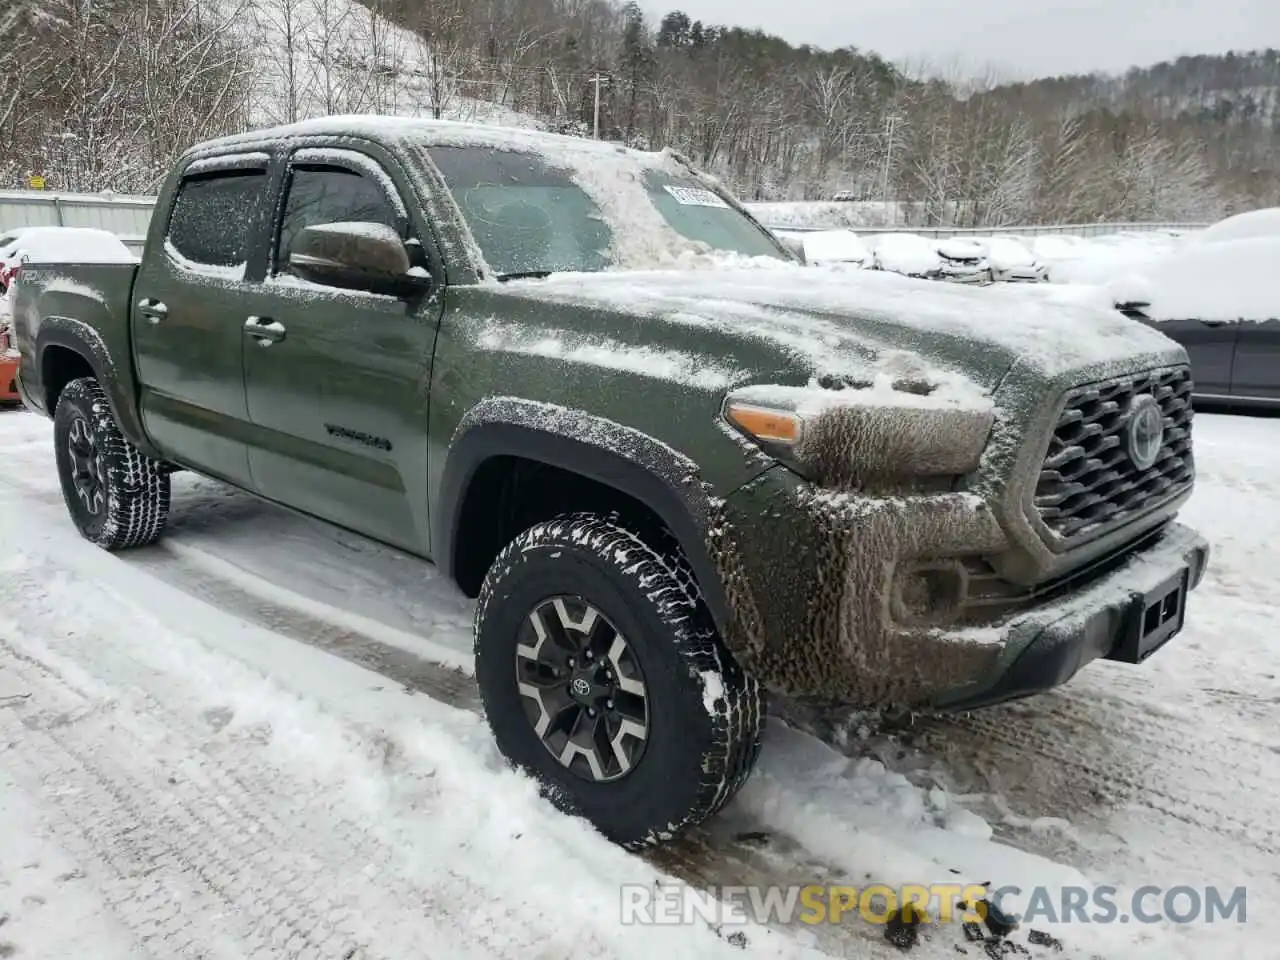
{"x": 619, "y": 457}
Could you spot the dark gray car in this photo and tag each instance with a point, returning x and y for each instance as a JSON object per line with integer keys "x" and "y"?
{"x": 1221, "y": 301}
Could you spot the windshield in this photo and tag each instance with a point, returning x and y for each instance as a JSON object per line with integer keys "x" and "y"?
{"x": 529, "y": 216}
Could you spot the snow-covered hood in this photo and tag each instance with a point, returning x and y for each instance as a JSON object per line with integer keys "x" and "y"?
{"x": 825, "y": 321}
{"x": 1228, "y": 280}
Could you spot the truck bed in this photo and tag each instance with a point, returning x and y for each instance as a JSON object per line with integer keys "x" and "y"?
{"x": 52, "y": 298}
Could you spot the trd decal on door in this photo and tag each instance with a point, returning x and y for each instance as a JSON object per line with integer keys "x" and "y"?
{"x": 368, "y": 439}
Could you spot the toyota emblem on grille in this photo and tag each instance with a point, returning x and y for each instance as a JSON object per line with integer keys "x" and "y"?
{"x": 1144, "y": 434}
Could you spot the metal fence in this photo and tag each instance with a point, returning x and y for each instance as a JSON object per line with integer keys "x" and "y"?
{"x": 126, "y": 216}
{"x": 1068, "y": 229}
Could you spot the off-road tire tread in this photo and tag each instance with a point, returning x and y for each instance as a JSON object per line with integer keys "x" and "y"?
{"x": 661, "y": 577}
{"x": 138, "y": 487}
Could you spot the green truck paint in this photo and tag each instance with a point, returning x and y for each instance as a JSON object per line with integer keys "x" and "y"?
{"x": 476, "y": 391}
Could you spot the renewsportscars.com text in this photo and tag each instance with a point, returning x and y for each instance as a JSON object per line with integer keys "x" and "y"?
{"x": 678, "y": 903}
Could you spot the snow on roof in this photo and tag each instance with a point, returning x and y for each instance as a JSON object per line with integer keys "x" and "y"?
{"x": 1255, "y": 223}
{"x": 428, "y": 133}
{"x": 958, "y": 247}
{"x": 905, "y": 253}
{"x": 1006, "y": 252}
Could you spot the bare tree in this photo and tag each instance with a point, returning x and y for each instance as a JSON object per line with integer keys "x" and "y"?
{"x": 284, "y": 79}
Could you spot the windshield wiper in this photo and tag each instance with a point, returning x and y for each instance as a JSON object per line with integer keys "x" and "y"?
{"x": 525, "y": 275}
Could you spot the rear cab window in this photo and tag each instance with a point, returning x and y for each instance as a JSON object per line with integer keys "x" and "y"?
{"x": 210, "y": 229}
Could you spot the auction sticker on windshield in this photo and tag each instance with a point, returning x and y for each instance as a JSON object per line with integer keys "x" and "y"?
{"x": 695, "y": 196}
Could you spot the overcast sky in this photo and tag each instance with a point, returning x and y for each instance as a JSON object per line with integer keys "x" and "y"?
{"x": 1026, "y": 38}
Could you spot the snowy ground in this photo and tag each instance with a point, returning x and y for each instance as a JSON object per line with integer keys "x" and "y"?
{"x": 259, "y": 739}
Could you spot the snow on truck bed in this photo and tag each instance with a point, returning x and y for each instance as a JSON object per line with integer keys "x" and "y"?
{"x": 68, "y": 245}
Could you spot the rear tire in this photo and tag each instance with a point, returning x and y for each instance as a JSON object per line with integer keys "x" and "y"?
{"x": 117, "y": 496}
{"x": 663, "y": 727}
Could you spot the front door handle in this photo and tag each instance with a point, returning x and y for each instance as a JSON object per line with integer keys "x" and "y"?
{"x": 153, "y": 310}
{"x": 265, "y": 330}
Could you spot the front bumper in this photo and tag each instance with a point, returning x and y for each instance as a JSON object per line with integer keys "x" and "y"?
{"x": 1126, "y": 615}
{"x": 1020, "y": 274}
{"x": 818, "y": 610}
{"x": 956, "y": 272}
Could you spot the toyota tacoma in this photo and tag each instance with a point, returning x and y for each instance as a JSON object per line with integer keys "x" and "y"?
{"x": 677, "y": 466}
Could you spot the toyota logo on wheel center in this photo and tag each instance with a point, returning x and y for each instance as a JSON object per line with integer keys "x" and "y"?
{"x": 581, "y": 687}
{"x": 1144, "y": 434}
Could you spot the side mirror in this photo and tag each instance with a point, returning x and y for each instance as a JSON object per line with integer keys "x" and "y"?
{"x": 356, "y": 256}
{"x": 1134, "y": 309}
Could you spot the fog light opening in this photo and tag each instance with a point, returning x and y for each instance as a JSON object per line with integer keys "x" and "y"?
{"x": 932, "y": 594}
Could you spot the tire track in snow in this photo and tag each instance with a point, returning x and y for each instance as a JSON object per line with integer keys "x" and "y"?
{"x": 702, "y": 857}
{"x": 167, "y": 565}
{"x": 205, "y": 813}
{"x": 177, "y": 867}
{"x": 709, "y": 855}
{"x": 705, "y": 856}
{"x": 413, "y": 672}
{"x": 1082, "y": 750}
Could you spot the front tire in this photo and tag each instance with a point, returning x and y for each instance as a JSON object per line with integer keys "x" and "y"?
{"x": 117, "y": 496}
{"x": 603, "y": 676}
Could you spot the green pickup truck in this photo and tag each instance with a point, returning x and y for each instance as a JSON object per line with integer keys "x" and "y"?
{"x": 677, "y": 466}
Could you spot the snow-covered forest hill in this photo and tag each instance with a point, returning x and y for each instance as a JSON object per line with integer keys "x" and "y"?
{"x": 103, "y": 95}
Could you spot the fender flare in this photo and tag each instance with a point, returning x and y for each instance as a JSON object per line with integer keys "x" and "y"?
{"x": 86, "y": 342}
{"x": 622, "y": 458}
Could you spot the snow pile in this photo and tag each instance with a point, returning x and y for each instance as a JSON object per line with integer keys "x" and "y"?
{"x": 958, "y": 248}
{"x": 881, "y": 828}
{"x": 204, "y": 722}
{"x": 1101, "y": 259}
{"x": 1243, "y": 226}
{"x": 854, "y": 213}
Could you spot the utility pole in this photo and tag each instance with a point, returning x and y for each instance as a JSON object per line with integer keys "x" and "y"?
{"x": 889, "y": 123}
{"x": 597, "y": 80}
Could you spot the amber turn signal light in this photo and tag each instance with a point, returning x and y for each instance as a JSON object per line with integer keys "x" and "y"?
{"x": 772, "y": 426}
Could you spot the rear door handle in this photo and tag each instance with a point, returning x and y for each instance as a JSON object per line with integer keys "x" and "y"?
{"x": 153, "y": 310}
{"x": 265, "y": 330}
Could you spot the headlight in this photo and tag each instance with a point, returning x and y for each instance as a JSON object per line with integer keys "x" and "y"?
{"x": 883, "y": 434}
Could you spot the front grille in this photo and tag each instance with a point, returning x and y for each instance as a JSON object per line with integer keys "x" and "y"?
{"x": 1088, "y": 480}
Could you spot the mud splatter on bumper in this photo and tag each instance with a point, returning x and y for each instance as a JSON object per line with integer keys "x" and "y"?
{"x": 820, "y": 609}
